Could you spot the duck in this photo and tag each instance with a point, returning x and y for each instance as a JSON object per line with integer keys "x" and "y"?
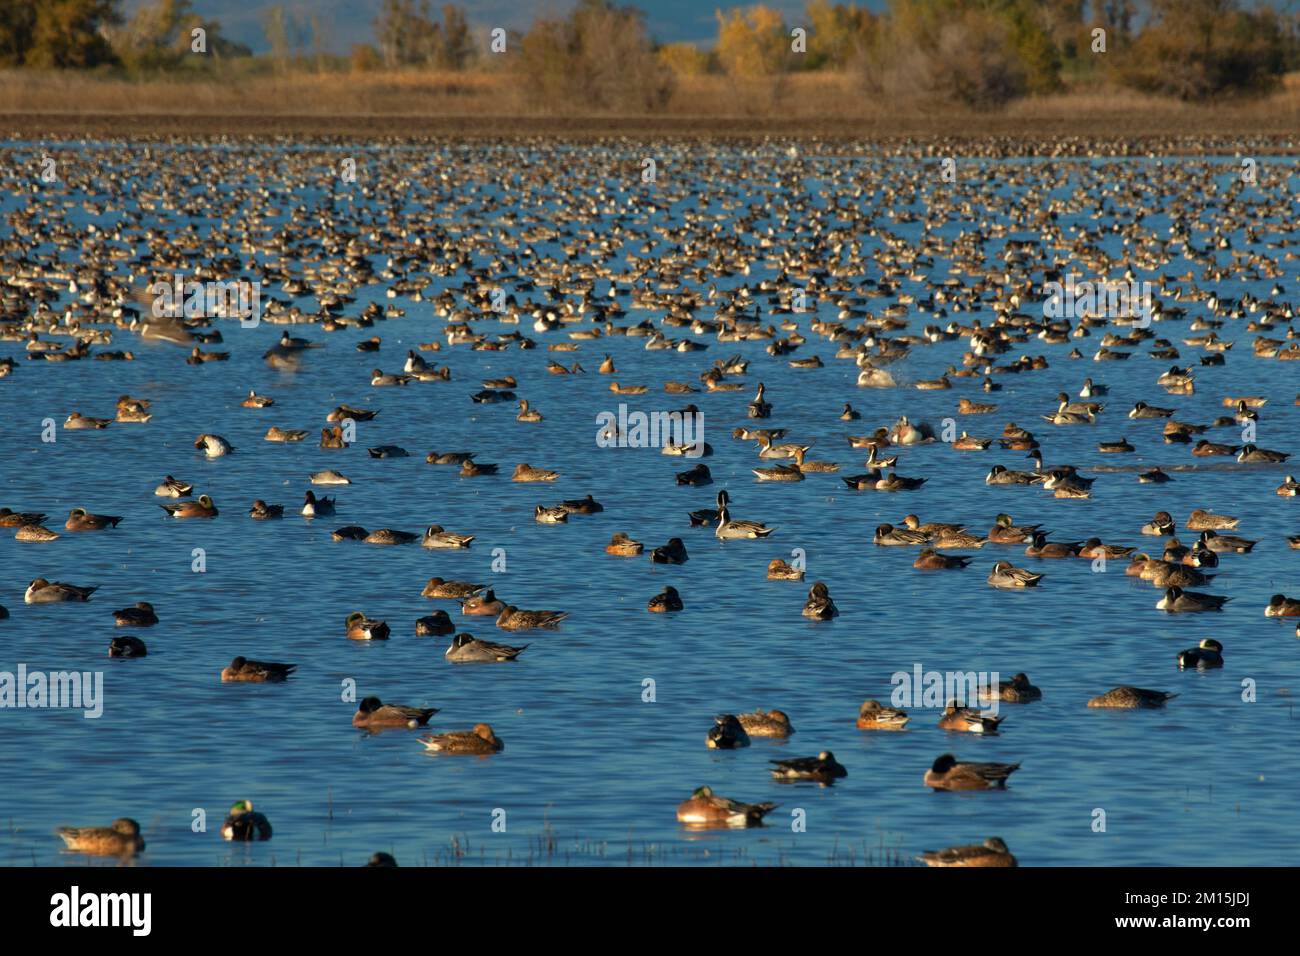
{"x": 121, "y": 838}
{"x": 213, "y": 446}
{"x": 256, "y": 401}
{"x": 813, "y": 467}
{"x": 1017, "y": 690}
{"x": 766, "y": 723}
{"x": 622, "y": 546}
{"x": 1251, "y": 454}
{"x": 1042, "y": 548}
{"x": 1153, "y": 477}
{"x": 435, "y": 536}
{"x": 727, "y": 733}
{"x": 454, "y": 590}
{"x": 351, "y": 532}
{"x": 1289, "y": 488}
{"x": 704, "y": 808}
{"x": 361, "y": 628}
{"x": 314, "y": 507}
{"x": 373, "y": 713}
{"x": 1161, "y": 525}
{"x": 872, "y": 716}
{"x": 201, "y": 507}
{"x": 991, "y": 853}
{"x": 1202, "y": 520}
{"x": 466, "y": 648}
{"x": 947, "y": 773}
{"x": 242, "y": 670}
{"x": 141, "y": 614}
{"x": 1177, "y": 575}
{"x": 476, "y": 469}
{"x": 482, "y": 605}
{"x": 849, "y": 414}
{"x": 436, "y": 624}
{"x": 730, "y": 530}
{"x": 968, "y": 720}
{"x": 1176, "y": 600}
{"x": 819, "y": 605}
{"x": 79, "y": 421}
{"x": 449, "y": 457}
{"x": 328, "y": 477}
{"x": 526, "y": 472}
{"x": 780, "y": 570}
{"x": 1280, "y": 605}
{"x": 1143, "y": 410}
{"x": 1008, "y": 577}
{"x": 1093, "y": 549}
{"x": 931, "y": 560}
{"x": 759, "y": 407}
{"x": 36, "y": 533}
{"x": 245, "y": 824}
{"x": 41, "y": 591}
{"x": 1217, "y": 543}
{"x": 545, "y": 515}
{"x": 284, "y": 435}
{"x": 823, "y": 768}
{"x": 666, "y": 600}
{"x": 480, "y": 740}
{"x": 261, "y": 511}
{"x": 695, "y": 476}
{"x": 1207, "y": 654}
{"x": 674, "y": 552}
{"x": 1115, "y": 447}
{"x": 173, "y": 488}
{"x": 388, "y": 451}
{"x": 512, "y": 618}
{"x": 895, "y": 482}
{"x": 127, "y": 646}
{"x": 527, "y": 413}
{"x": 1129, "y": 698}
{"x": 1005, "y": 531}
{"x": 1001, "y": 475}
{"x": 16, "y": 519}
{"x": 889, "y": 536}
{"x": 779, "y": 473}
{"x": 1206, "y": 448}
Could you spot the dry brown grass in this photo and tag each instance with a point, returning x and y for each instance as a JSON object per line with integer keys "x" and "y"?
{"x": 491, "y": 104}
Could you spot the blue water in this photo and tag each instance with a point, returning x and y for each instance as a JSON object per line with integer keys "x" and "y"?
{"x": 591, "y": 773}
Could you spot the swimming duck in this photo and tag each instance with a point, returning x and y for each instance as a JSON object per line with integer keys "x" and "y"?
{"x": 1206, "y": 448}
{"x": 1017, "y": 690}
{"x": 948, "y": 774}
{"x": 79, "y": 519}
{"x": 314, "y": 507}
{"x": 823, "y": 768}
{"x": 779, "y": 570}
{"x": 1005, "y": 575}
{"x": 349, "y": 532}
{"x": 456, "y": 590}
{"x": 373, "y": 713}
{"x": 512, "y": 618}
{"x": 436, "y": 537}
{"x": 214, "y": 446}
{"x": 1250, "y": 454}
{"x": 991, "y": 853}
{"x": 582, "y": 506}
{"x": 1280, "y": 605}
{"x": 261, "y": 511}
{"x": 813, "y": 467}
{"x": 759, "y": 407}
{"x": 1143, "y": 410}
{"x": 1042, "y": 548}
{"x": 388, "y": 451}
{"x": 1129, "y": 698}
{"x": 256, "y": 401}
{"x": 623, "y": 546}
{"x": 849, "y": 414}
{"x": 434, "y": 625}
{"x": 968, "y": 720}
{"x": 957, "y": 540}
{"x": 1176, "y": 600}
{"x": 696, "y": 476}
{"x": 1162, "y": 524}
{"x": 769, "y": 723}
{"x": 872, "y": 716}
{"x": 1153, "y": 477}
{"x": 202, "y": 507}
{"x": 1202, "y": 520}
{"x": 730, "y": 530}
{"x": 779, "y": 473}
{"x": 173, "y": 488}
{"x": 896, "y": 482}
{"x": 1004, "y": 531}
{"x": 242, "y": 670}
{"x": 16, "y": 519}
{"x": 1001, "y": 475}
{"x": 707, "y": 809}
{"x": 245, "y": 824}
{"x": 545, "y": 515}
{"x": 466, "y": 648}
{"x": 328, "y": 477}
{"x": 887, "y": 535}
{"x": 141, "y": 615}
{"x": 79, "y": 421}
{"x": 727, "y": 733}
{"x": 1225, "y": 543}
{"x": 35, "y": 533}
{"x": 526, "y": 472}
{"x": 819, "y": 605}
{"x": 482, "y": 605}
{"x": 361, "y": 628}
{"x": 1207, "y": 654}
{"x": 41, "y": 591}
{"x": 667, "y": 600}
{"x": 127, "y": 646}
{"x": 480, "y": 740}
{"x": 121, "y": 839}
{"x": 284, "y": 435}
{"x": 931, "y": 560}
{"x": 476, "y": 469}
{"x": 1165, "y": 575}
{"x": 1093, "y": 549}
{"x": 1289, "y": 488}
{"x": 674, "y": 552}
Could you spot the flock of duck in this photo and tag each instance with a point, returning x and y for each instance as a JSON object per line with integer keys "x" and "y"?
{"x": 526, "y": 263}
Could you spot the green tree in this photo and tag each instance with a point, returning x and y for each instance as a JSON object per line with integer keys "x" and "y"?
{"x": 72, "y": 33}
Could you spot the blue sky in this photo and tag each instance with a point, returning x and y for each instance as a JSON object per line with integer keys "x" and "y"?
{"x": 350, "y": 21}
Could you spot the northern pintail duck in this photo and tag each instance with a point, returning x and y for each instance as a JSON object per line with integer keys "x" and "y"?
{"x": 242, "y": 670}
{"x": 373, "y": 713}
{"x": 358, "y": 627}
{"x": 819, "y": 605}
{"x": 947, "y": 773}
{"x": 888, "y": 535}
{"x": 476, "y": 469}
{"x": 257, "y": 401}
{"x": 201, "y": 507}
{"x": 1289, "y": 488}
{"x": 526, "y": 472}
{"x": 1002, "y": 475}
{"x": 173, "y": 488}
{"x": 79, "y": 421}
{"x": 729, "y": 529}
{"x": 455, "y": 590}
{"x": 727, "y": 733}
{"x": 766, "y": 723}
{"x": 35, "y": 533}
{"x": 328, "y": 477}
{"x": 140, "y": 615}
{"x": 284, "y": 435}
{"x": 512, "y": 618}
{"x": 1202, "y": 520}
{"x": 1176, "y": 600}
{"x": 437, "y": 624}
{"x": 214, "y": 446}
{"x": 823, "y": 768}
{"x": 1207, "y": 654}
{"x": 779, "y": 570}
{"x": 1008, "y": 577}
{"x": 480, "y": 740}
{"x": 435, "y": 536}
{"x": 1217, "y": 543}
{"x": 121, "y": 839}
{"x": 1161, "y": 525}
{"x": 41, "y": 591}
{"x": 245, "y": 824}
{"x": 466, "y": 648}
{"x": 1129, "y": 698}
{"x": 666, "y": 600}
{"x": 707, "y": 809}
{"x": 872, "y": 716}
{"x": 991, "y": 853}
